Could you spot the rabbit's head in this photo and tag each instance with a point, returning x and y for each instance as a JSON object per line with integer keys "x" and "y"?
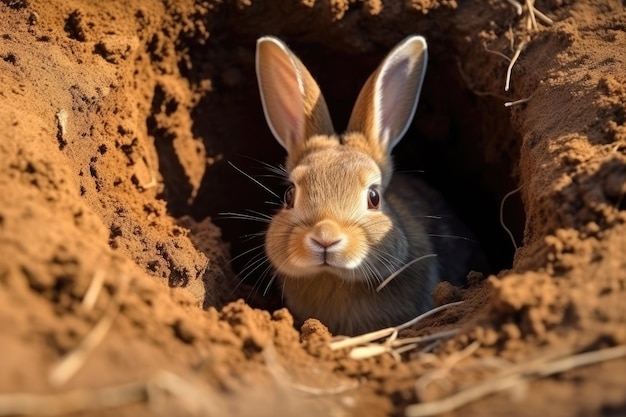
{"x": 335, "y": 219}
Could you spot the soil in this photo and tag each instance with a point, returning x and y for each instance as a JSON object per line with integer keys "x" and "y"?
{"x": 119, "y": 122}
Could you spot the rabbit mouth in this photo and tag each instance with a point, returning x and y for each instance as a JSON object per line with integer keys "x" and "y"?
{"x": 313, "y": 263}
{"x": 329, "y": 263}
{"x": 330, "y": 254}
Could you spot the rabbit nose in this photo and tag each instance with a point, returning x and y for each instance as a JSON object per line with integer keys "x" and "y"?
{"x": 325, "y": 244}
{"x": 326, "y": 234}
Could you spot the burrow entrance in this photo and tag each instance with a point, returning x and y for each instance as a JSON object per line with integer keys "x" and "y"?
{"x": 460, "y": 142}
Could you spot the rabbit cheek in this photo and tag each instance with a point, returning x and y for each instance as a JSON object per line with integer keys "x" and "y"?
{"x": 377, "y": 226}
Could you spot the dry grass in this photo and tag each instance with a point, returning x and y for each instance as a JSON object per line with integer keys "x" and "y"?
{"x": 75, "y": 359}
{"x": 515, "y": 376}
{"x": 193, "y": 397}
{"x": 363, "y": 346}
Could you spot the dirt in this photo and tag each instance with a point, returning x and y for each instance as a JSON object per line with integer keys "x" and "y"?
{"x": 119, "y": 123}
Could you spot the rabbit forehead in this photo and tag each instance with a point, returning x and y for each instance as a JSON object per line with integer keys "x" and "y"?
{"x": 337, "y": 167}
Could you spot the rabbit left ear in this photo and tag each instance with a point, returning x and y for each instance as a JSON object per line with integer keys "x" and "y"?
{"x": 386, "y": 105}
{"x": 292, "y": 101}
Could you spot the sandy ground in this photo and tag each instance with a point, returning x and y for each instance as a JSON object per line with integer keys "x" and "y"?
{"x": 117, "y": 123}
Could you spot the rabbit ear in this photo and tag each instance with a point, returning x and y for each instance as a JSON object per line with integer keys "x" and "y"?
{"x": 292, "y": 101}
{"x": 386, "y": 105}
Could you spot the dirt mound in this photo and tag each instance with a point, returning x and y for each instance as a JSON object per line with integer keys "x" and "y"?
{"x": 119, "y": 123}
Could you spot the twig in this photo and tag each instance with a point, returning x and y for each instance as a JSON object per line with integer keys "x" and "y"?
{"x": 193, "y": 395}
{"x": 582, "y": 359}
{"x": 523, "y": 374}
{"x": 428, "y": 314}
{"x": 282, "y": 377}
{"x": 389, "y": 331}
{"x": 95, "y": 286}
{"x": 448, "y": 364}
{"x": 75, "y": 359}
{"x": 72, "y": 401}
{"x": 518, "y": 51}
{"x": 198, "y": 398}
{"x": 361, "y": 339}
{"x": 428, "y": 338}
{"x": 461, "y": 398}
{"x": 398, "y": 346}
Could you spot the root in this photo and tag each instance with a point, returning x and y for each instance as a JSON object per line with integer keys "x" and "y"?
{"x": 498, "y": 53}
{"x": 533, "y": 13}
{"x": 516, "y": 102}
{"x": 518, "y": 51}
{"x": 504, "y": 226}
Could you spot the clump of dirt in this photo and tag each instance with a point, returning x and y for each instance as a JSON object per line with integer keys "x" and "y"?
{"x": 119, "y": 121}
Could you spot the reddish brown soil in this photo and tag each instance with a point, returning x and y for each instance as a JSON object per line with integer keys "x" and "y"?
{"x": 116, "y": 124}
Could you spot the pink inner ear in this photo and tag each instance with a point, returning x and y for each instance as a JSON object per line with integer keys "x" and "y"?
{"x": 395, "y": 104}
{"x": 289, "y": 98}
{"x": 282, "y": 95}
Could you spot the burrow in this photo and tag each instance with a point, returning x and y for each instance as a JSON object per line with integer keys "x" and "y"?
{"x": 461, "y": 142}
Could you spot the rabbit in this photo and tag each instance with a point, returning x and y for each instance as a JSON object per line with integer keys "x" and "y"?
{"x": 348, "y": 222}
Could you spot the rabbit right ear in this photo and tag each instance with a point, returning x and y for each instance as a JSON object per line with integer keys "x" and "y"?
{"x": 386, "y": 105}
{"x": 292, "y": 101}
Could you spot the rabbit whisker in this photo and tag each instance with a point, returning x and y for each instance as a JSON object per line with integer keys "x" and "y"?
{"x": 245, "y": 253}
{"x": 399, "y": 271}
{"x": 257, "y": 262}
{"x": 250, "y": 237}
{"x": 453, "y": 237}
{"x": 242, "y": 216}
{"x": 253, "y": 235}
{"x": 278, "y": 169}
{"x": 409, "y": 171}
{"x": 261, "y": 215}
{"x": 269, "y": 284}
{"x": 252, "y": 266}
{"x": 264, "y": 274}
{"x": 384, "y": 261}
{"x": 363, "y": 270}
{"x": 425, "y": 216}
{"x": 370, "y": 275}
{"x": 259, "y": 183}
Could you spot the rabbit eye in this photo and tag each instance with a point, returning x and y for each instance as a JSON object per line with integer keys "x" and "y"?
{"x": 373, "y": 199}
{"x": 289, "y": 196}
